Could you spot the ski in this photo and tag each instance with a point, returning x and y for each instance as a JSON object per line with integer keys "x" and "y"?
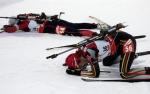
{"x": 115, "y": 80}
{"x": 142, "y": 53}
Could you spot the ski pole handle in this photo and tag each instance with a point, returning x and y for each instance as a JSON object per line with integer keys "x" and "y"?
{"x": 52, "y": 56}
{"x": 60, "y": 14}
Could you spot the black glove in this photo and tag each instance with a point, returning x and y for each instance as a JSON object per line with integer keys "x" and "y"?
{"x": 73, "y": 71}
{"x": 119, "y": 26}
{"x": 103, "y": 33}
{"x": 43, "y": 16}
{"x": 54, "y": 17}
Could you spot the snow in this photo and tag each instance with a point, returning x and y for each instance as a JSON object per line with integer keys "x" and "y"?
{"x": 5, "y": 3}
{"x": 24, "y": 68}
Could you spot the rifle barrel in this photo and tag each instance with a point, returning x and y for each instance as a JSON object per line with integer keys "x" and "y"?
{"x": 9, "y": 17}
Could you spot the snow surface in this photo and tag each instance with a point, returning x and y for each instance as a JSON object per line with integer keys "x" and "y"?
{"x": 4, "y": 3}
{"x": 24, "y": 68}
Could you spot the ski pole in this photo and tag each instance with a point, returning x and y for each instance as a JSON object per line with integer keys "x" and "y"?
{"x": 73, "y": 45}
{"x": 55, "y": 55}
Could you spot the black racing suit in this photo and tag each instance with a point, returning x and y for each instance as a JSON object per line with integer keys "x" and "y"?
{"x": 50, "y": 26}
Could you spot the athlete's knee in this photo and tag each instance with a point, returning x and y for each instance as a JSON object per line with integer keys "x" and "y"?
{"x": 124, "y": 75}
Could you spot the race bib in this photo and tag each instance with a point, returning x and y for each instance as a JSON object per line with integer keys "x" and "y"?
{"x": 128, "y": 46}
{"x": 104, "y": 48}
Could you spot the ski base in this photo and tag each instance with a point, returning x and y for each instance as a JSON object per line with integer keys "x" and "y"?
{"x": 115, "y": 80}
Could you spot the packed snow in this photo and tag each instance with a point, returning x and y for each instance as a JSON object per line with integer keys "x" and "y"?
{"x": 24, "y": 68}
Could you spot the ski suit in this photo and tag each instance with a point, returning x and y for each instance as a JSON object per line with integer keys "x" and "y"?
{"x": 35, "y": 22}
{"x": 125, "y": 47}
{"x": 115, "y": 44}
{"x": 63, "y": 27}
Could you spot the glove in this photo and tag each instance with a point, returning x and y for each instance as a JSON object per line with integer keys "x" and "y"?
{"x": 43, "y": 16}
{"x": 119, "y": 26}
{"x": 54, "y": 17}
{"x": 10, "y": 28}
{"x": 103, "y": 33}
{"x": 73, "y": 71}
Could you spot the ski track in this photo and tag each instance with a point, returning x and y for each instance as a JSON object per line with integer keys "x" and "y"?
{"x": 24, "y": 68}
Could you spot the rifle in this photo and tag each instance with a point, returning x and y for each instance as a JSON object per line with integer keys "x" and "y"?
{"x": 78, "y": 45}
{"x": 32, "y": 16}
{"x": 19, "y": 17}
{"x": 9, "y": 17}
